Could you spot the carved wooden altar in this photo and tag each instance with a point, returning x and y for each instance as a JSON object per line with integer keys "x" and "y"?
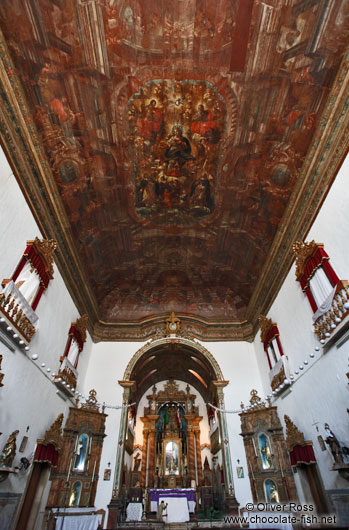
{"x": 171, "y": 454}
{"x": 74, "y": 481}
{"x": 268, "y": 463}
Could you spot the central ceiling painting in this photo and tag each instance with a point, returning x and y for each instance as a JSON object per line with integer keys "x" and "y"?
{"x": 174, "y": 138}
{"x": 176, "y": 130}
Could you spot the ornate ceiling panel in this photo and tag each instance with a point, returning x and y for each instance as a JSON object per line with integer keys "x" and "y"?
{"x": 168, "y": 147}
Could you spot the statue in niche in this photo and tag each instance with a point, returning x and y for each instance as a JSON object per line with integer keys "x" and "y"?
{"x": 333, "y": 444}
{"x": 9, "y": 451}
{"x": 81, "y": 452}
{"x": 75, "y": 494}
{"x": 171, "y": 458}
{"x": 265, "y": 452}
{"x": 271, "y": 492}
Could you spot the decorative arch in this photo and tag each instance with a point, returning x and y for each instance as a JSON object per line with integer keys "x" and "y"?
{"x": 177, "y": 340}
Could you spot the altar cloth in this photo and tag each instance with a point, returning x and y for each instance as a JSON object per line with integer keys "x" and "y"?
{"x": 158, "y": 494}
{"x": 134, "y": 511}
{"x": 177, "y": 510}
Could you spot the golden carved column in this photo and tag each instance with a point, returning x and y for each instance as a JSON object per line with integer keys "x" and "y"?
{"x": 151, "y": 451}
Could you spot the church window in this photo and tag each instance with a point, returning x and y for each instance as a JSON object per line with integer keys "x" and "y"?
{"x": 315, "y": 274}
{"x": 34, "y": 271}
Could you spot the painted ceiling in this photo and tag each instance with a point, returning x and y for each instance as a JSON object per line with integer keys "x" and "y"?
{"x": 175, "y": 139}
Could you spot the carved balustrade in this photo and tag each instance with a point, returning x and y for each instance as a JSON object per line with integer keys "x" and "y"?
{"x": 67, "y": 377}
{"x": 279, "y": 374}
{"x": 327, "y": 322}
{"x": 16, "y": 311}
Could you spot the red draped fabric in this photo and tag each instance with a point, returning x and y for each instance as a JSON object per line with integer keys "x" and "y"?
{"x": 318, "y": 259}
{"x": 272, "y": 334}
{"x": 46, "y": 453}
{"x": 302, "y": 454}
{"x": 77, "y": 336}
{"x": 38, "y": 264}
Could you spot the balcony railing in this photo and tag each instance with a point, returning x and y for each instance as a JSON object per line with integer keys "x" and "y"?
{"x": 338, "y": 309}
{"x": 16, "y": 311}
{"x": 67, "y": 377}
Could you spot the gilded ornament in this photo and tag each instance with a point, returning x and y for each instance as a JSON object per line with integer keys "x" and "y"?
{"x": 256, "y": 400}
{"x": 303, "y": 252}
{"x": 45, "y": 248}
{"x": 173, "y": 324}
{"x": 9, "y": 451}
{"x": 53, "y": 435}
{"x": 266, "y": 325}
{"x": 293, "y": 435}
{"x": 80, "y": 326}
{"x": 91, "y": 402}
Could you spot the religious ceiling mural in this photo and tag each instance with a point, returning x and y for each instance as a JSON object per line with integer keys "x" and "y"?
{"x": 177, "y": 136}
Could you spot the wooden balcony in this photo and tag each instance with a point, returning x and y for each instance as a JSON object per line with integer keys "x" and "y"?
{"x": 279, "y": 374}
{"x": 326, "y": 323}
{"x": 67, "y": 377}
{"x": 17, "y": 313}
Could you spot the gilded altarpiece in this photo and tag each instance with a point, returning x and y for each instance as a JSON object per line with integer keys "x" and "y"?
{"x": 269, "y": 468}
{"x": 171, "y": 454}
{"x": 74, "y": 481}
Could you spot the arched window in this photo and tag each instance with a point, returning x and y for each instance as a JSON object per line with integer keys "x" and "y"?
{"x": 22, "y": 292}
{"x": 35, "y": 270}
{"x": 271, "y": 341}
{"x": 76, "y": 341}
{"x": 67, "y": 377}
{"x": 314, "y": 272}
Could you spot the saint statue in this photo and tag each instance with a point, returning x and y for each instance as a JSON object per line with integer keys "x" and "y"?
{"x": 9, "y": 451}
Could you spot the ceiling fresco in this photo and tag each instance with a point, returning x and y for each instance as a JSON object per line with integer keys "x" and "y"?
{"x": 176, "y": 136}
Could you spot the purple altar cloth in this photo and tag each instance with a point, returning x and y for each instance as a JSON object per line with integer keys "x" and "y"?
{"x": 155, "y": 494}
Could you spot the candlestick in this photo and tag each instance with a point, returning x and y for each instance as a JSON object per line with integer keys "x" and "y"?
{"x": 93, "y": 474}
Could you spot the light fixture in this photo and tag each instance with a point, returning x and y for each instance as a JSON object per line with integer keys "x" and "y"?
{"x": 301, "y": 367}
{"x": 305, "y": 362}
{"x": 9, "y": 328}
{"x": 15, "y": 335}
{"x": 48, "y": 369}
{"x": 43, "y": 365}
{"x": 322, "y": 341}
{"x": 35, "y": 356}
{"x": 53, "y": 374}
{"x": 2, "y": 319}
{"x": 292, "y": 377}
{"x": 21, "y": 342}
{"x": 296, "y": 372}
{"x": 317, "y": 348}
{"x": 26, "y": 348}
{"x": 312, "y": 355}
{"x": 327, "y": 334}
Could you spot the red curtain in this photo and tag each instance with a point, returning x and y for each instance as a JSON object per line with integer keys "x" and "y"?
{"x": 302, "y": 454}
{"x": 46, "y": 453}
{"x": 77, "y": 336}
{"x": 272, "y": 334}
{"x": 318, "y": 259}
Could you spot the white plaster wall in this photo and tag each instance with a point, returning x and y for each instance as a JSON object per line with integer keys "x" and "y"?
{"x": 320, "y": 393}
{"x": 28, "y": 397}
{"x": 107, "y": 364}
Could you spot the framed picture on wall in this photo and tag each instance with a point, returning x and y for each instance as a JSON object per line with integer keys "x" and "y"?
{"x": 240, "y": 472}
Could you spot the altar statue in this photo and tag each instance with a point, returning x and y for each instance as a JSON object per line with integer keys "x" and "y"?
{"x": 9, "y": 451}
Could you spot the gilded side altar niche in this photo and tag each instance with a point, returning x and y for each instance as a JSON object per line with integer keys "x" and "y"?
{"x": 268, "y": 463}
{"x": 74, "y": 481}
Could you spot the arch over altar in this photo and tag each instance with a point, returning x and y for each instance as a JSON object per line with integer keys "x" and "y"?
{"x": 170, "y": 459}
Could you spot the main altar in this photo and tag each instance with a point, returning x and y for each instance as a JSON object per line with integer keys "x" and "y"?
{"x": 168, "y": 466}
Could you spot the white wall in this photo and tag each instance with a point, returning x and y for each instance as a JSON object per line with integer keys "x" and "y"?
{"x": 28, "y": 397}
{"x": 320, "y": 393}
